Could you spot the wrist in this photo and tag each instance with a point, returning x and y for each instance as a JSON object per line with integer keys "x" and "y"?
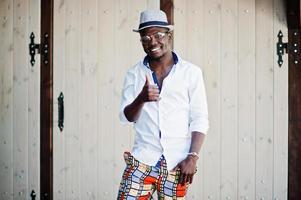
{"x": 193, "y": 155}
{"x": 139, "y": 99}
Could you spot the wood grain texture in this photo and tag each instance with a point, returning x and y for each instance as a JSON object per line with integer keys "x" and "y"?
{"x": 281, "y": 92}
{"x": 246, "y": 100}
{"x": 246, "y": 95}
{"x": 294, "y": 149}
{"x": 6, "y": 100}
{"x": 20, "y": 100}
{"x": 34, "y": 25}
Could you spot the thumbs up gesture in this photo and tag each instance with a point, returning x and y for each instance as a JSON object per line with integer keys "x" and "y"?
{"x": 149, "y": 92}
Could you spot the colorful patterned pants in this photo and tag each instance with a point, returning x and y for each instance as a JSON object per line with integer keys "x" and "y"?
{"x": 140, "y": 181}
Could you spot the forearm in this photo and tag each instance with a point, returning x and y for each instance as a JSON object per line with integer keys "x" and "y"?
{"x": 133, "y": 110}
{"x": 197, "y": 140}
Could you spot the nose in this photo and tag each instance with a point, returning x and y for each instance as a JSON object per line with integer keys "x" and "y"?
{"x": 153, "y": 40}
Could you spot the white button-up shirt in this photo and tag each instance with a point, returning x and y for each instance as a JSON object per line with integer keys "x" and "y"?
{"x": 164, "y": 127}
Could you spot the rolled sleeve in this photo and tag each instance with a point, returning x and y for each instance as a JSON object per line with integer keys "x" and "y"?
{"x": 127, "y": 95}
{"x": 198, "y": 104}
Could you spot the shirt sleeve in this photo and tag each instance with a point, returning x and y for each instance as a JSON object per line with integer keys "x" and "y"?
{"x": 198, "y": 104}
{"x": 127, "y": 96}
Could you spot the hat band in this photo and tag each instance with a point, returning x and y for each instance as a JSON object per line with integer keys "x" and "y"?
{"x": 153, "y": 23}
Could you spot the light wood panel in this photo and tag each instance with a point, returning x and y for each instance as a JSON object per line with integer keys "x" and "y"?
{"x": 94, "y": 46}
{"x": 264, "y": 100}
{"x": 6, "y": 100}
{"x": 73, "y": 107}
{"x": 106, "y": 43}
{"x": 280, "y": 121}
{"x": 246, "y": 100}
{"x": 88, "y": 91}
{"x": 212, "y": 77}
{"x": 229, "y": 100}
{"x": 20, "y": 100}
{"x": 19, "y": 104}
{"x": 34, "y": 102}
{"x": 59, "y": 71}
{"x": 247, "y": 96}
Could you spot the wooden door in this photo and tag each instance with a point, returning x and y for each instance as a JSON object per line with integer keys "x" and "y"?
{"x": 93, "y": 47}
{"x": 234, "y": 42}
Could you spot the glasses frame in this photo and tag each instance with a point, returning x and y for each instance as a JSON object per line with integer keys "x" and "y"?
{"x": 154, "y": 36}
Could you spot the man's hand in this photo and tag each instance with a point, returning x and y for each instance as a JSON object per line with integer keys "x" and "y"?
{"x": 187, "y": 169}
{"x": 149, "y": 92}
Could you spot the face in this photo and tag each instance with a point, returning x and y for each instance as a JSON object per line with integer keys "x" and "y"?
{"x": 158, "y": 43}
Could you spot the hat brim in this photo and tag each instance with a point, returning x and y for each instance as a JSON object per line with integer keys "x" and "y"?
{"x": 169, "y": 27}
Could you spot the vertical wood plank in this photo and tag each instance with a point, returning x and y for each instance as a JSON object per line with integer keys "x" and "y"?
{"x": 72, "y": 100}
{"x": 20, "y": 100}
{"x": 264, "y": 99}
{"x": 294, "y": 173}
{"x": 246, "y": 98}
{"x": 59, "y": 67}
{"x": 212, "y": 149}
{"x": 229, "y": 102}
{"x": 135, "y": 47}
{"x": 153, "y": 4}
{"x": 34, "y": 103}
{"x": 106, "y": 59}
{"x": 180, "y": 27}
{"x": 88, "y": 98}
{"x": 122, "y": 32}
{"x": 280, "y": 120}
{"x": 6, "y": 100}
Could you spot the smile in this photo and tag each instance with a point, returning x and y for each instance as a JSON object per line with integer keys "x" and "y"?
{"x": 155, "y": 49}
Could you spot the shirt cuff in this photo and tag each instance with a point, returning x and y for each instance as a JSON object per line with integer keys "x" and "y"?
{"x": 199, "y": 127}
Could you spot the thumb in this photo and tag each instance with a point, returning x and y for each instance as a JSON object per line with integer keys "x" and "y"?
{"x": 147, "y": 81}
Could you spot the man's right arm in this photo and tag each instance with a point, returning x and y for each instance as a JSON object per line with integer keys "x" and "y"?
{"x": 148, "y": 93}
{"x": 133, "y": 110}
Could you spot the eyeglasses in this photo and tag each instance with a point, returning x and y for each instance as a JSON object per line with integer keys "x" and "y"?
{"x": 158, "y": 36}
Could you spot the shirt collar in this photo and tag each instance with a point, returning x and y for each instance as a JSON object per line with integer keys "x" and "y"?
{"x": 174, "y": 56}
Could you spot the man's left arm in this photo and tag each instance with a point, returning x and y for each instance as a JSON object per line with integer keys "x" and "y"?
{"x": 198, "y": 125}
{"x": 188, "y": 165}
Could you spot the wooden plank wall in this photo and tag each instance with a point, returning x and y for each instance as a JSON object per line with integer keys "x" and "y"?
{"x": 19, "y": 102}
{"x": 245, "y": 154}
{"x": 93, "y": 47}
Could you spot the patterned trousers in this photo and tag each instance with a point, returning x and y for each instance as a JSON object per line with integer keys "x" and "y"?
{"x": 140, "y": 181}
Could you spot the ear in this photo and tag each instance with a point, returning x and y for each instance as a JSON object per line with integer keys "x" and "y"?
{"x": 170, "y": 37}
{"x": 170, "y": 34}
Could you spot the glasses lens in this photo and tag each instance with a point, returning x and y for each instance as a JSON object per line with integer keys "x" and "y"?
{"x": 159, "y": 35}
{"x": 145, "y": 39}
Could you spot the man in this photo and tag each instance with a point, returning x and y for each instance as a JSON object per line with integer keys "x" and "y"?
{"x": 164, "y": 96}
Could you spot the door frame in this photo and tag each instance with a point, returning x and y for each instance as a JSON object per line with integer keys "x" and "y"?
{"x": 294, "y": 99}
{"x": 46, "y": 100}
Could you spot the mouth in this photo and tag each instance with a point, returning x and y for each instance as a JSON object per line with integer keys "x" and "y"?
{"x": 155, "y": 49}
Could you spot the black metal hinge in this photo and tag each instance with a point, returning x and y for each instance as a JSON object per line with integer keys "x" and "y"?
{"x": 33, "y": 195}
{"x": 292, "y": 48}
{"x": 37, "y": 48}
{"x": 281, "y": 48}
